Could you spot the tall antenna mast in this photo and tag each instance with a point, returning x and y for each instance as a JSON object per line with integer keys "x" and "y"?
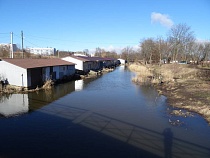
{"x": 11, "y": 47}
{"x": 22, "y": 43}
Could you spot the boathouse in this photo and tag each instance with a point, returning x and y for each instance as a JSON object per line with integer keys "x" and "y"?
{"x": 122, "y": 61}
{"x": 34, "y": 72}
{"x": 85, "y": 64}
{"x": 110, "y": 62}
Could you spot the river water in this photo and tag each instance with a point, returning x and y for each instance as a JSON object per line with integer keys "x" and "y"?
{"x": 106, "y": 116}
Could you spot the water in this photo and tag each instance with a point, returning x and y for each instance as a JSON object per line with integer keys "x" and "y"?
{"x": 108, "y": 116}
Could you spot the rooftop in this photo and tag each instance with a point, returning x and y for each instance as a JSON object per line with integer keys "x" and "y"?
{"x": 85, "y": 58}
{"x": 34, "y": 63}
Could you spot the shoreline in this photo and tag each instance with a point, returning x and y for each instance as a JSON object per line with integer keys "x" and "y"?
{"x": 11, "y": 89}
{"x": 188, "y": 93}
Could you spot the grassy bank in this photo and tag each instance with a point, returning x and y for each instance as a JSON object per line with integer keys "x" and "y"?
{"x": 185, "y": 86}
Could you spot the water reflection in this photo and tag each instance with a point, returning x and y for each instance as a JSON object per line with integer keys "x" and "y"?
{"x": 79, "y": 84}
{"x": 41, "y": 98}
{"x": 14, "y": 104}
{"x": 111, "y": 106}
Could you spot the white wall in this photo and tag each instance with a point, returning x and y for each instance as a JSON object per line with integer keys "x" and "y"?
{"x": 79, "y": 84}
{"x": 122, "y": 61}
{"x": 43, "y": 51}
{"x": 79, "y": 63}
{"x": 15, "y": 75}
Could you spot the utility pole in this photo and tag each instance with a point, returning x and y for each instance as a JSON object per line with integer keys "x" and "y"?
{"x": 22, "y": 44}
{"x": 11, "y": 47}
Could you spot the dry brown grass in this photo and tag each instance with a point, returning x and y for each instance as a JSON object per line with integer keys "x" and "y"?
{"x": 177, "y": 71}
{"x": 143, "y": 74}
{"x": 185, "y": 86}
{"x": 48, "y": 84}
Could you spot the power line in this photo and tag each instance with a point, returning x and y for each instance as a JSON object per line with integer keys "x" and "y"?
{"x": 21, "y": 37}
{"x": 5, "y": 33}
{"x": 68, "y": 40}
{"x": 48, "y": 40}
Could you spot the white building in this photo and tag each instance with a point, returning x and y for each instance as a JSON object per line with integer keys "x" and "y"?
{"x": 7, "y": 46}
{"x": 34, "y": 72}
{"x": 85, "y": 64}
{"x": 122, "y": 61}
{"x": 42, "y": 51}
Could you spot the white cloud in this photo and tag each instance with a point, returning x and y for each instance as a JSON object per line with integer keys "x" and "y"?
{"x": 163, "y": 19}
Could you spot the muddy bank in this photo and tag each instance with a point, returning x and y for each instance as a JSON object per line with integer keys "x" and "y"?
{"x": 11, "y": 89}
{"x": 185, "y": 86}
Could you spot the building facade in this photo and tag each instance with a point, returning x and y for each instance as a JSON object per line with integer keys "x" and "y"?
{"x": 7, "y": 47}
{"x": 42, "y": 51}
{"x": 34, "y": 72}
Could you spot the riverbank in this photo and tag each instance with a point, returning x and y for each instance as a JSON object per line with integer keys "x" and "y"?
{"x": 11, "y": 89}
{"x": 185, "y": 86}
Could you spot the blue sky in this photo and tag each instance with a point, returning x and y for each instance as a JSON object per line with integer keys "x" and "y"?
{"x": 76, "y": 25}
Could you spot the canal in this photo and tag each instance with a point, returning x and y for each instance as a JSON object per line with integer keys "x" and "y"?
{"x": 106, "y": 116}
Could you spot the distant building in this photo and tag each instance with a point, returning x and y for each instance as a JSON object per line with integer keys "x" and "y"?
{"x": 42, "y": 51}
{"x": 6, "y": 46}
{"x": 85, "y": 64}
{"x": 122, "y": 61}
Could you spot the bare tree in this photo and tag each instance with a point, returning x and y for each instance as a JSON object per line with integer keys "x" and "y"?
{"x": 86, "y": 52}
{"x": 180, "y": 36}
{"x": 98, "y": 52}
{"x": 148, "y": 50}
{"x": 161, "y": 47}
{"x": 206, "y": 51}
{"x": 126, "y": 53}
{"x": 4, "y": 52}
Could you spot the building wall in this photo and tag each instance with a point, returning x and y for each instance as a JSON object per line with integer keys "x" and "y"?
{"x": 109, "y": 63}
{"x": 79, "y": 63}
{"x": 122, "y": 61}
{"x": 70, "y": 70}
{"x": 14, "y": 74}
{"x": 96, "y": 65}
{"x": 43, "y": 51}
{"x": 60, "y": 71}
{"x": 56, "y": 69}
{"x": 32, "y": 77}
{"x": 7, "y": 47}
{"x": 87, "y": 66}
{"x": 66, "y": 70}
{"x": 46, "y": 73}
{"x": 84, "y": 66}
